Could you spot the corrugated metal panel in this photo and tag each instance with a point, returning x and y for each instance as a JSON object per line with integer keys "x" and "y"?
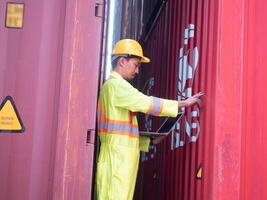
{"x": 254, "y": 126}
{"x": 137, "y": 27}
{"x": 30, "y": 70}
{"x": 186, "y": 45}
{"x": 230, "y": 69}
{"x": 50, "y": 67}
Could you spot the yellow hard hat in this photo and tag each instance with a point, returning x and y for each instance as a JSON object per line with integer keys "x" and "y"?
{"x": 129, "y": 47}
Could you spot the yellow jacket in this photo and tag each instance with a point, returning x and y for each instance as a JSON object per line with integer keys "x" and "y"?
{"x": 119, "y": 136}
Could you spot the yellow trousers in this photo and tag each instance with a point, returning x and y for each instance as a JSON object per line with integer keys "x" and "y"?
{"x": 116, "y": 172}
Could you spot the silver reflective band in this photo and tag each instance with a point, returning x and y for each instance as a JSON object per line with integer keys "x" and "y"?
{"x": 118, "y": 127}
{"x": 156, "y": 106}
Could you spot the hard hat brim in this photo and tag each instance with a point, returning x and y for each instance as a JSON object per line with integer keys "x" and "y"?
{"x": 145, "y": 60}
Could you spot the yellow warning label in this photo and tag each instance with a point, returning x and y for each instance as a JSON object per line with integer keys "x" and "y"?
{"x": 9, "y": 118}
{"x": 14, "y": 15}
{"x": 199, "y": 172}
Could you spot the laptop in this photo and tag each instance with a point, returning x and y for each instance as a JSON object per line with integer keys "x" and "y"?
{"x": 166, "y": 127}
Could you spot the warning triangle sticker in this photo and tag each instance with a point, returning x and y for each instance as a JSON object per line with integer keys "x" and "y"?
{"x": 199, "y": 172}
{"x": 10, "y": 121}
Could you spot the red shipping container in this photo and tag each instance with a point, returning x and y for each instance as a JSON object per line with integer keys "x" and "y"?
{"x": 218, "y": 48}
{"x": 50, "y": 67}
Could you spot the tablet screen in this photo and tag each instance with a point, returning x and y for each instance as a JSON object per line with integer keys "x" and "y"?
{"x": 169, "y": 123}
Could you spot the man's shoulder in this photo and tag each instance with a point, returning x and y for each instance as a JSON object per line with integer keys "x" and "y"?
{"x": 111, "y": 82}
{"x": 114, "y": 82}
{"x": 110, "y": 85}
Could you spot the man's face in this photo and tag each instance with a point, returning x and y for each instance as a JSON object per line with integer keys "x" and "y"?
{"x": 131, "y": 68}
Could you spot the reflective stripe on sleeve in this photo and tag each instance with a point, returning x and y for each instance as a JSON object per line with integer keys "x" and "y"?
{"x": 156, "y": 105}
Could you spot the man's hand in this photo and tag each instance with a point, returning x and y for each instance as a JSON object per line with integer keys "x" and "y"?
{"x": 195, "y": 99}
{"x": 198, "y": 95}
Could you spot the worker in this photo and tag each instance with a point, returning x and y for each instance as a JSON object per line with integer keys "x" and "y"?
{"x": 120, "y": 143}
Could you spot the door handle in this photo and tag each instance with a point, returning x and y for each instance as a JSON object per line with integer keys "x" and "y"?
{"x": 98, "y": 9}
{"x": 90, "y": 136}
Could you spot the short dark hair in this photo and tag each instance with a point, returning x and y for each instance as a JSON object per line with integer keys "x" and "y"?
{"x": 127, "y": 57}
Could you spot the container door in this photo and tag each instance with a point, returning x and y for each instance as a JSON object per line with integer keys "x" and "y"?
{"x": 78, "y": 100}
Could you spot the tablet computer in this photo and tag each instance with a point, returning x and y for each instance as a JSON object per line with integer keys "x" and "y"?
{"x": 166, "y": 127}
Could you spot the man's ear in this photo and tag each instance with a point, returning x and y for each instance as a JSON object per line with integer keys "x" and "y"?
{"x": 121, "y": 61}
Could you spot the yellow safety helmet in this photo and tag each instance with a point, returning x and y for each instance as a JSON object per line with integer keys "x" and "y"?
{"x": 129, "y": 47}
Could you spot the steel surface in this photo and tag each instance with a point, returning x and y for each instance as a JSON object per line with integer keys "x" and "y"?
{"x": 50, "y": 68}
{"x": 217, "y": 48}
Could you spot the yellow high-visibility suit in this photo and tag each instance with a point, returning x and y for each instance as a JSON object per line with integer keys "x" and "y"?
{"x": 118, "y": 159}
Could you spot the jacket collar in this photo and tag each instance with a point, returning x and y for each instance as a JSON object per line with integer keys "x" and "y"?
{"x": 115, "y": 74}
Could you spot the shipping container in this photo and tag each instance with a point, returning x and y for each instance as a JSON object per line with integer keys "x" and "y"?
{"x": 217, "y": 151}
{"x": 49, "y": 64}
{"x": 54, "y": 55}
